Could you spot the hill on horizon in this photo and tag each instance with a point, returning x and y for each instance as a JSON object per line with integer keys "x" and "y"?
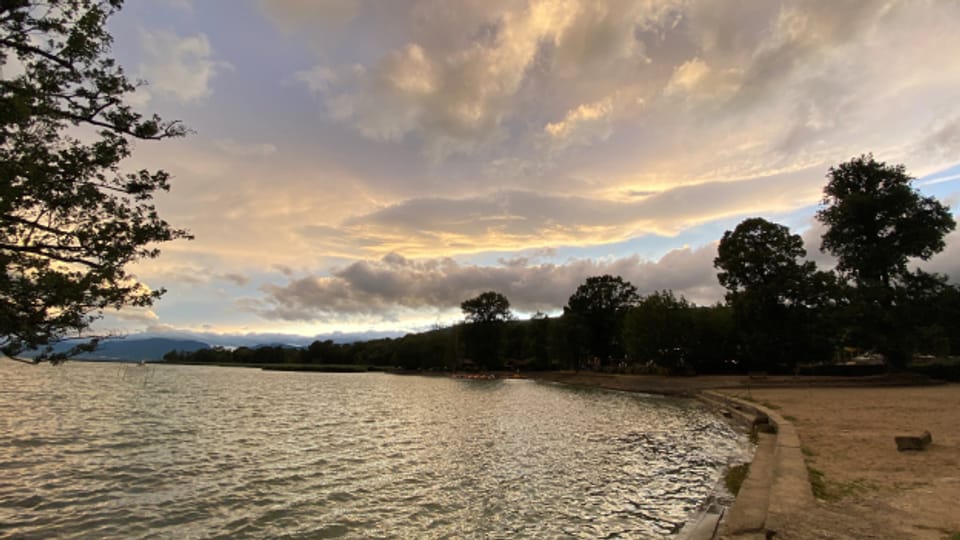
{"x": 131, "y": 350}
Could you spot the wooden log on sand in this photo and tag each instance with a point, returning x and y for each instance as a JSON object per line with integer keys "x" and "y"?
{"x": 907, "y": 442}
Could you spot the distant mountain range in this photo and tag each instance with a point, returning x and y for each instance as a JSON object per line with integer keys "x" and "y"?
{"x": 133, "y": 350}
{"x": 152, "y": 346}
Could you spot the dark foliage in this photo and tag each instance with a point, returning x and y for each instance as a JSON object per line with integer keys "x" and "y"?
{"x": 781, "y": 304}
{"x": 487, "y": 307}
{"x": 595, "y": 312}
{"x": 70, "y": 219}
{"x": 875, "y": 223}
{"x": 484, "y": 332}
{"x": 659, "y": 329}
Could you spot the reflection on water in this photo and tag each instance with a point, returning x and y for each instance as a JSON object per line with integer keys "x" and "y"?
{"x": 101, "y": 450}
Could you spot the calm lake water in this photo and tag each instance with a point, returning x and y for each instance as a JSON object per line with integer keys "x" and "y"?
{"x": 117, "y": 451}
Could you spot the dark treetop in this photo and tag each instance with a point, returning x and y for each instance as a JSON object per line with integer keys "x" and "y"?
{"x": 876, "y": 221}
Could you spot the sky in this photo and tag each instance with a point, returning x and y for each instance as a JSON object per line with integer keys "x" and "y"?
{"x": 362, "y": 167}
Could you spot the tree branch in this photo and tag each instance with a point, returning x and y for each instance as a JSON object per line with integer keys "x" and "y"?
{"x": 34, "y": 224}
{"x": 40, "y": 249}
{"x": 22, "y": 47}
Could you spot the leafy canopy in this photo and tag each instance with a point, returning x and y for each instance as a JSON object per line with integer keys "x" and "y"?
{"x": 761, "y": 256}
{"x": 486, "y": 308}
{"x": 781, "y": 303}
{"x": 601, "y": 295}
{"x": 596, "y": 310}
{"x": 70, "y": 219}
{"x": 660, "y": 329}
{"x": 876, "y": 221}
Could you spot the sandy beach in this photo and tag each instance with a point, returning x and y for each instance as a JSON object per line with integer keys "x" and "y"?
{"x": 869, "y": 489}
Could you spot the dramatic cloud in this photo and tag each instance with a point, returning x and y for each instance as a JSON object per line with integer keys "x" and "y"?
{"x": 136, "y": 314}
{"x": 687, "y": 76}
{"x": 236, "y": 279}
{"x": 317, "y": 79}
{"x": 482, "y": 130}
{"x": 944, "y": 141}
{"x": 293, "y": 15}
{"x": 565, "y": 59}
{"x": 395, "y": 283}
{"x": 515, "y": 220}
{"x": 455, "y": 96}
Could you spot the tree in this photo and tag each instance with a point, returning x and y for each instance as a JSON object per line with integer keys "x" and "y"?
{"x": 760, "y": 256}
{"x": 70, "y": 220}
{"x": 540, "y": 336}
{"x": 487, "y": 307}
{"x": 660, "y": 329}
{"x": 776, "y": 298}
{"x": 875, "y": 223}
{"x": 714, "y": 348}
{"x": 933, "y": 308}
{"x": 596, "y": 309}
{"x": 485, "y": 316}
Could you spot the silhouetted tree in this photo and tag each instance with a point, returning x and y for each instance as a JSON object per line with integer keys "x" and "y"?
{"x": 775, "y": 296}
{"x": 485, "y": 316}
{"x": 714, "y": 349}
{"x": 540, "y": 337}
{"x": 597, "y": 309}
{"x": 566, "y": 344}
{"x": 243, "y": 355}
{"x": 379, "y": 352}
{"x": 939, "y": 319}
{"x": 875, "y": 222}
{"x": 660, "y": 329}
{"x": 932, "y": 307}
{"x": 487, "y": 307}
{"x": 70, "y": 220}
{"x": 326, "y": 352}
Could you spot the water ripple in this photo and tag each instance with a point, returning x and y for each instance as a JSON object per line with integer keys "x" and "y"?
{"x": 106, "y": 451}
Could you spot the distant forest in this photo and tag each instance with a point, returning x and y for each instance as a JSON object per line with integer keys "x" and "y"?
{"x": 780, "y": 311}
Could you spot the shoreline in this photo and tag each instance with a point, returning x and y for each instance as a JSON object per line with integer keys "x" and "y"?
{"x": 695, "y": 385}
{"x": 833, "y": 439}
{"x": 707, "y": 522}
{"x": 783, "y": 493}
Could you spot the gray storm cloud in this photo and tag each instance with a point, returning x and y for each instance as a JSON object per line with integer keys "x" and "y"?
{"x": 394, "y": 282}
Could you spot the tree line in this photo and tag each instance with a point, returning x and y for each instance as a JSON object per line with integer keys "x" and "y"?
{"x": 780, "y": 310}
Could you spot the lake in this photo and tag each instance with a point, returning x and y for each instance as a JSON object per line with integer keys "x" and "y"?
{"x": 118, "y": 451}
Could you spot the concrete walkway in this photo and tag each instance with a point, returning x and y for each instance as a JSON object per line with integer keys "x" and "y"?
{"x": 777, "y": 485}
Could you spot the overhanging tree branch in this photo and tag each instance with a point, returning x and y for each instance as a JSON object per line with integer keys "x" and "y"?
{"x": 70, "y": 220}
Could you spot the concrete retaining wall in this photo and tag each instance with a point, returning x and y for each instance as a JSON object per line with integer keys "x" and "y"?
{"x": 777, "y": 485}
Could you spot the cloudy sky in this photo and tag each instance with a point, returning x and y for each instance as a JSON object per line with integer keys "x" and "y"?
{"x": 365, "y": 166}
